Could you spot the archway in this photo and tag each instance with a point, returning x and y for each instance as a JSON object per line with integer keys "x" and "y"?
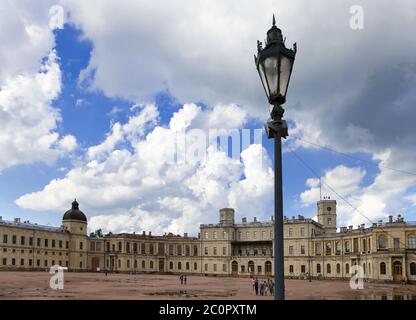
{"x": 397, "y": 271}
{"x": 234, "y": 267}
{"x": 268, "y": 268}
{"x": 251, "y": 267}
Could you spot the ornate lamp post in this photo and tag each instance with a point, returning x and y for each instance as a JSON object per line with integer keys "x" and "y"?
{"x": 274, "y": 63}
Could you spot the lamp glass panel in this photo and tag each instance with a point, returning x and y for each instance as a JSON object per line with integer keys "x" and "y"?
{"x": 263, "y": 79}
{"x": 270, "y": 66}
{"x": 285, "y": 70}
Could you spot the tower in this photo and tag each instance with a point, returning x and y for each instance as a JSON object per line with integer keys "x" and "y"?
{"x": 327, "y": 214}
{"x": 227, "y": 216}
{"x": 75, "y": 222}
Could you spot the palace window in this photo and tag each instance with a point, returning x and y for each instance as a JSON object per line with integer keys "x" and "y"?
{"x": 22, "y": 240}
{"x": 5, "y": 238}
{"x": 382, "y": 241}
{"x": 195, "y": 250}
{"x": 128, "y": 247}
{"x": 179, "y": 249}
{"x": 318, "y": 249}
{"x": 318, "y": 268}
{"x": 128, "y": 263}
{"x": 120, "y": 246}
{"x": 135, "y": 247}
{"x": 215, "y": 251}
{"x": 187, "y": 250}
{"x": 143, "y": 264}
{"x": 224, "y": 268}
{"x": 215, "y": 267}
{"x": 328, "y": 268}
{"x": 302, "y": 268}
{"x": 171, "y": 249}
{"x": 187, "y": 266}
{"x": 224, "y": 234}
{"x": 411, "y": 241}
{"x": 215, "y": 234}
{"x": 291, "y": 250}
{"x": 206, "y": 267}
{"x": 413, "y": 269}
{"x": 161, "y": 248}
{"x": 329, "y": 221}
{"x": 151, "y": 264}
{"x": 347, "y": 268}
{"x": 206, "y": 235}
{"x": 143, "y": 248}
{"x": 382, "y": 268}
{"x": 171, "y": 265}
{"x": 338, "y": 268}
{"x": 46, "y": 243}
{"x": 328, "y": 249}
{"x": 4, "y": 261}
{"x": 224, "y": 251}
{"x": 206, "y": 250}
{"x": 291, "y": 269}
{"x": 195, "y": 266}
{"x": 347, "y": 247}
{"x": 263, "y": 235}
{"x": 60, "y": 243}
{"x": 254, "y": 235}
{"x": 247, "y": 235}
{"x": 14, "y": 239}
{"x": 290, "y": 232}
{"x": 338, "y": 248}
{"x": 302, "y": 232}
{"x": 396, "y": 243}
{"x": 302, "y": 249}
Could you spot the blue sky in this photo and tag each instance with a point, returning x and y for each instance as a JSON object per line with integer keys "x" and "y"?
{"x": 104, "y": 86}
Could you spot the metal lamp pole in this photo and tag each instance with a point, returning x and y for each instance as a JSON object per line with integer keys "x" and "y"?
{"x": 274, "y": 64}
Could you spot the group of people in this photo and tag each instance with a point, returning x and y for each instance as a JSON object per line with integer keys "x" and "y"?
{"x": 262, "y": 287}
{"x": 183, "y": 279}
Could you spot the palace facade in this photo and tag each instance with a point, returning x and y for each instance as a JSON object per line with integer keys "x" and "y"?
{"x": 385, "y": 251}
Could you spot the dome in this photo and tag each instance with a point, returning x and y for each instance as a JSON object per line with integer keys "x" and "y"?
{"x": 75, "y": 213}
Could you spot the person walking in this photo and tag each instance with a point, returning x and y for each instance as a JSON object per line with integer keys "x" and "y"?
{"x": 181, "y": 279}
{"x": 266, "y": 288}
{"x": 253, "y": 284}
{"x": 271, "y": 286}
{"x": 184, "y": 279}
{"x": 261, "y": 288}
{"x": 256, "y": 286}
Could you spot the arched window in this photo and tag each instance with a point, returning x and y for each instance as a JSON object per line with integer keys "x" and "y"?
{"x": 382, "y": 268}
{"x": 143, "y": 264}
{"x": 151, "y": 264}
{"x": 411, "y": 241}
{"x": 135, "y": 264}
{"x": 318, "y": 249}
{"x": 338, "y": 247}
{"x": 119, "y": 263}
{"x": 413, "y": 269}
{"x": 328, "y": 268}
{"x": 171, "y": 265}
{"x": 382, "y": 241}
{"x": 128, "y": 263}
{"x": 195, "y": 266}
{"x": 179, "y": 265}
{"x": 338, "y": 268}
{"x": 328, "y": 250}
{"x": 318, "y": 268}
{"x": 187, "y": 266}
{"x": 347, "y": 268}
{"x": 347, "y": 247}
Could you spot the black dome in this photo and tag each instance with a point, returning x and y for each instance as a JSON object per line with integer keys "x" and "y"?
{"x": 75, "y": 213}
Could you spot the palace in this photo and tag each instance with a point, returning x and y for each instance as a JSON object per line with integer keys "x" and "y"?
{"x": 384, "y": 251}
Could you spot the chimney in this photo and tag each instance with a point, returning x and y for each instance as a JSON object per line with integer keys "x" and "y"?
{"x": 362, "y": 226}
{"x": 380, "y": 223}
{"x": 144, "y": 233}
{"x": 390, "y": 219}
{"x": 255, "y": 219}
{"x": 17, "y": 220}
{"x": 185, "y": 235}
{"x": 349, "y": 228}
{"x": 343, "y": 229}
{"x": 374, "y": 225}
{"x": 150, "y": 233}
{"x": 244, "y": 220}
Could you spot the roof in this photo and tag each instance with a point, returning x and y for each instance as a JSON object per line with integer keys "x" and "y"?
{"x": 74, "y": 213}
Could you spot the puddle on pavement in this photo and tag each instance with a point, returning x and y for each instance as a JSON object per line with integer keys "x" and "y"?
{"x": 193, "y": 293}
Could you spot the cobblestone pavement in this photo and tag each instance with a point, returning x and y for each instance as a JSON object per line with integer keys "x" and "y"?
{"x": 98, "y": 286}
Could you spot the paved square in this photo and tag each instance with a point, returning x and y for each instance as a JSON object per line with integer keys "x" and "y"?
{"x": 98, "y": 286}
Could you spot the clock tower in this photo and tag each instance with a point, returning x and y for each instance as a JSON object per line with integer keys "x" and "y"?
{"x": 327, "y": 214}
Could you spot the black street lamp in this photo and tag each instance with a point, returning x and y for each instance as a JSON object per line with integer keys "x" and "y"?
{"x": 274, "y": 64}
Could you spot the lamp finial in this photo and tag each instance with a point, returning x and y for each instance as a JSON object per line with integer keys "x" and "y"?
{"x": 274, "y": 20}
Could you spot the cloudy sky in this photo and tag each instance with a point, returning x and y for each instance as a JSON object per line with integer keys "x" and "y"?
{"x": 91, "y": 109}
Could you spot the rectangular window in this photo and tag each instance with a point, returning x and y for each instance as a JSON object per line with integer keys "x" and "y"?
{"x": 13, "y": 261}
{"x": 161, "y": 249}
{"x": 206, "y": 235}
{"x": 254, "y": 235}
{"x": 179, "y": 250}
{"x": 224, "y": 251}
{"x": 302, "y": 269}
{"x": 291, "y": 268}
{"x": 38, "y": 263}
{"x": 396, "y": 243}
{"x": 38, "y": 242}
{"x": 30, "y": 241}
{"x": 60, "y": 243}
{"x": 22, "y": 240}
{"x": 171, "y": 249}
{"x": 67, "y": 245}
{"x": 206, "y": 250}
{"x": 22, "y": 262}
{"x": 215, "y": 251}
{"x": 187, "y": 250}
{"x": 206, "y": 267}
{"x": 291, "y": 250}
{"x": 263, "y": 235}
{"x": 302, "y": 232}
{"x": 53, "y": 243}
{"x": 215, "y": 234}
{"x": 224, "y": 268}
{"x": 4, "y": 261}
{"x": 302, "y": 249}
{"x": 215, "y": 268}
{"x": 81, "y": 246}
{"x": 45, "y": 263}
{"x": 290, "y": 232}
{"x": 46, "y": 243}
{"x": 5, "y": 238}
{"x": 30, "y": 262}
{"x": 14, "y": 239}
